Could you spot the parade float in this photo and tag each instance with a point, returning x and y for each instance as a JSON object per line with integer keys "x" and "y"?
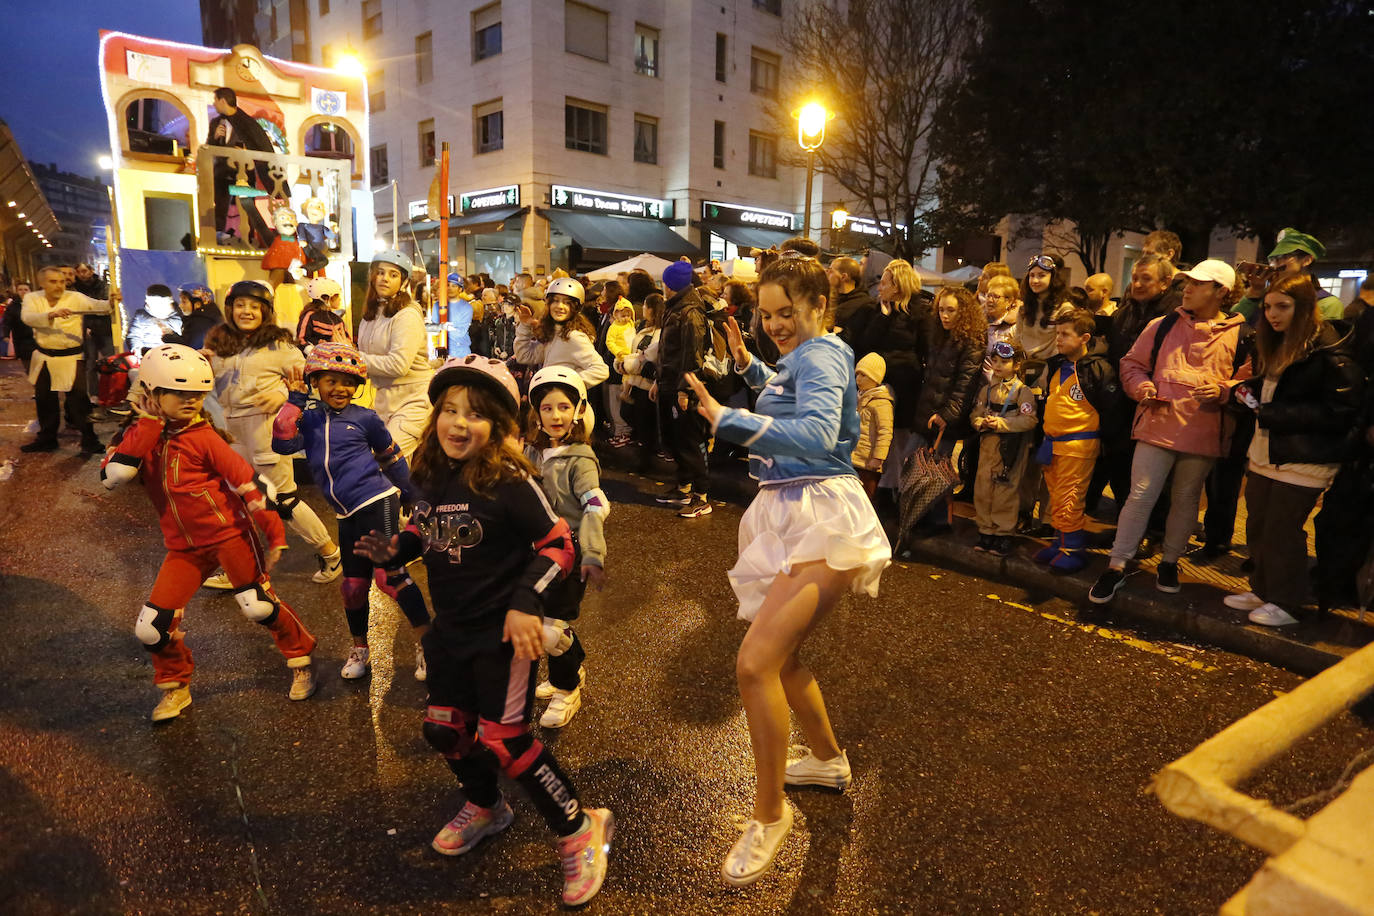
{"x": 187, "y": 210}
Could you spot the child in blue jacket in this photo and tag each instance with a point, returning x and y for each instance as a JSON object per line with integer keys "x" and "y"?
{"x": 362, "y": 473}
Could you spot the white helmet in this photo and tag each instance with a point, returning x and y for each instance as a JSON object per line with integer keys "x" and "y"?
{"x": 319, "y": 287}
{"x": 559, "y": 375}
{"x": 568, "y": 287}
{"x": 177, "y": 367}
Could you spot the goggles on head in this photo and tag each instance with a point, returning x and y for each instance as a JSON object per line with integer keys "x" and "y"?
{"x": 1003, "y": 350}
{"x": 1042, "y": 261}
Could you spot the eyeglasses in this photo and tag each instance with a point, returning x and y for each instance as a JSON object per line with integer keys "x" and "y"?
{"x": 1042, "y": 261}
{"x": 999, "y": 297}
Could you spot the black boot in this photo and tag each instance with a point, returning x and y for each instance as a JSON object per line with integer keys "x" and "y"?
{"x": 40, "y": 445}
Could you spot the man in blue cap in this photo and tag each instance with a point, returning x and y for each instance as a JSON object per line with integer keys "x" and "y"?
{"x": 1295, "y": 252}
{"x": 459, "y": 324}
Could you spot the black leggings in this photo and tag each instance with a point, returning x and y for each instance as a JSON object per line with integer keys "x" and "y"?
{"x": 382, "y": 516}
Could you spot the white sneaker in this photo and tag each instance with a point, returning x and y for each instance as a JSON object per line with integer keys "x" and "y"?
{"x": 302, "y": 682}
{"x": 420, "y": 671}
{"x": 1271, "y": 615}
{"x": 1245, "y": 601}
{"x": 561, "y": 709}
{"x": 808, "y": 770}
{"x": 331, "y": 567}
{"x": 754, "y": 851}
{"x": 546, "y": 690}
{"x": 172, "y": 703}
{"x": 218, "y": 582}
{"x": 357, "y": 664}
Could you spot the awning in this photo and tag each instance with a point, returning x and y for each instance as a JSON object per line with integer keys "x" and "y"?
{"x": 619, "y": 233}
{"x": 481, "y": 221}
{"x": 749, "y": 236}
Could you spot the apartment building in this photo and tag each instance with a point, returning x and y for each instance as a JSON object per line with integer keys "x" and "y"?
{"x": 580, "y": 133}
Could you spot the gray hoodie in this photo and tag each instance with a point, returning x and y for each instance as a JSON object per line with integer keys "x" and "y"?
{"x": 571, "y": 477}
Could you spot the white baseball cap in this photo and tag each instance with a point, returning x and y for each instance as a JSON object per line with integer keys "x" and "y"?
{"x": 1213, "y": 271}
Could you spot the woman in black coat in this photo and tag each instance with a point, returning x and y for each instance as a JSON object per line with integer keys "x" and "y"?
{"x": 1307, "y": 395}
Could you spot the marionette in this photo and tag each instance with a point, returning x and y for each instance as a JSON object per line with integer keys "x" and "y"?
{"x": 285, "y": 251}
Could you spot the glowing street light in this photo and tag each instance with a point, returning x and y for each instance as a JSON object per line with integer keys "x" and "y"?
{"x": 105, "y": 162}
{"x": 349, "y": 64}
{"x": 811, "y": 119}
{"x": 839, "y": 218}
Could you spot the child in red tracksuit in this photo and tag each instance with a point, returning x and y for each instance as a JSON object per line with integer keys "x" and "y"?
{"x": 204, "y": 493}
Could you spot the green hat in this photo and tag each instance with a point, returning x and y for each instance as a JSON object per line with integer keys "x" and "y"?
{"x": 1291, "y": 240}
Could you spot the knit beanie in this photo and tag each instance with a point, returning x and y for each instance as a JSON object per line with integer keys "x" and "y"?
{"x": 677, "y": 275}
{"x": 873, "y": 366}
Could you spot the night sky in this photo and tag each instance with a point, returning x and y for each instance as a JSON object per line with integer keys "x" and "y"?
{"x": 49, "y": 81}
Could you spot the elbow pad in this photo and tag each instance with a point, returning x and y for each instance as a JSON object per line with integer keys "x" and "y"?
{"x": 119, "y": 469}
{"x": 595, "y": 502}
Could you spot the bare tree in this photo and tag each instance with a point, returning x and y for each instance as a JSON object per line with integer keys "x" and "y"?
{"x": 882, "y": 67}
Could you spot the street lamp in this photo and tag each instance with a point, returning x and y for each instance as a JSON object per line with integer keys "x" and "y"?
{"x": 811, "y": 119}
{"x": 349, "y": 64}
{"x": 105, "y": 162}
{"x": 839, "y": 218}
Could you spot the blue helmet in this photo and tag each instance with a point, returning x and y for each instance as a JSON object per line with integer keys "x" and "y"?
{"x": 196, "y": 292}
{"x": 395, "y": 258}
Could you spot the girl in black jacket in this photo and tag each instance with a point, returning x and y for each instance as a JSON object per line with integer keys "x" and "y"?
{"x": 1306, "y": 394}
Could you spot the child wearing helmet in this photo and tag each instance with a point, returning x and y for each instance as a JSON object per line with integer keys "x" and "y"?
{"x": 361, "y": 473}
{"x": 563, "y": 337}
{"x": 459, "y": 324}
{"x": 199, "y": 314}
{"x": 560, "y": 448}
{"x": 392, "y": 338}
{"x": 321, "y": 319}
{"x": 252, "y": 358}
{"x": 494, "y": 551}
{"x": 208, "y": 503}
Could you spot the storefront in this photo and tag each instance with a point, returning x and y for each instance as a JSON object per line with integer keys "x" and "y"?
{"x": 483, "y": 232}
{"x": 589, "y": 229}
{"x": 731, "y": 230}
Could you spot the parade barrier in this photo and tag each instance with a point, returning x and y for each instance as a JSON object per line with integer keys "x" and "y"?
{"x": 1324, "y": 864}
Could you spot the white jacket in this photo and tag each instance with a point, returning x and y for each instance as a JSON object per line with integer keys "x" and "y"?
{"x": 632, "y": 366}
{"x": 250, "y": 371}
{"x": 397, "y": 353}
{"x": 58, "y": 334}
{"x": 576, "y": 351}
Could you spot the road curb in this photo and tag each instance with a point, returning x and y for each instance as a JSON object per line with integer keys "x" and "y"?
{"x": 1179, "y": 614}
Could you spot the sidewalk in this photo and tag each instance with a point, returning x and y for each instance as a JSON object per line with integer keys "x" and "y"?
{"x": 1194, "y": 613}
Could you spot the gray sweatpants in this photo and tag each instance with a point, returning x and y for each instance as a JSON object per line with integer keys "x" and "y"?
{"x": 1149, "y": 469}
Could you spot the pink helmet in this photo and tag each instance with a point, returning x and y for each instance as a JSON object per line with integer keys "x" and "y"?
{"x": 474, "y": 369}
{"x": 336, "y": 356}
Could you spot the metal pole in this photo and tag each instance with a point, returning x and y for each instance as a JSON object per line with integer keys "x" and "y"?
{"x": 443, "y": 242}
{"x": 395, "y": 220}
{"x": 810, "y": 171}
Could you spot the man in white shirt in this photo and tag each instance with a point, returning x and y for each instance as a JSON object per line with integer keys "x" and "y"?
{"x": 55, "y": 315}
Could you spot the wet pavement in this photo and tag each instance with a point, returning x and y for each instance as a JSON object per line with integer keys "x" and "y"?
{"x": 1002, "y": 747}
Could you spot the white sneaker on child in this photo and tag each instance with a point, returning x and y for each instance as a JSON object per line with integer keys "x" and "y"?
{"x": 562, "y": 707}
{"x": 218, "y": 582}
{"x": 585, "y": 856}
{"x": 546, "y": 690}
{"x": 302, "y": 682}
{"x": 358, "y": 663}
{"x": 331, "y": 567}
{"x": 808, "y": 770}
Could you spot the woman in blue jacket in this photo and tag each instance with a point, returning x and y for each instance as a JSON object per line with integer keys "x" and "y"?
{"x": 808, "y": 537}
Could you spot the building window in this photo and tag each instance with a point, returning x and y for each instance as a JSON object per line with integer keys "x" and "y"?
{"x": 769, "y": 6}
{"x": 720, "y": 145}
{"x": 428, "y": 152}
{"x": 646, "y": 139}
{"x": 486, "y": 32}
{"x": 376, "y": 92}
{"x": 372, "y": 18}
{"x": 324, "y": 7}
{"x": 585, "y": 126}
{"x": 722, "y": 60}
{"x": 646, "y": 50}
{"x": 763, "y": 72}
{"x": 328, "y": 141}
{"x": 377, "y": 160}
{"x": 424, "y": 57}
{"x": 763, "y": 155}
{"x": 585, "y": 30}
{"x": 488, "y": 123}
{"x": 327, "y": 55}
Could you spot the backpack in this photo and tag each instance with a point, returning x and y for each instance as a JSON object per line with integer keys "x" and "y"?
{"x": 113, "y": 374}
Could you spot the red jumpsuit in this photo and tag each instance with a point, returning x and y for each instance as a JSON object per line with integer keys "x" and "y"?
{"x": 204, "y": 493}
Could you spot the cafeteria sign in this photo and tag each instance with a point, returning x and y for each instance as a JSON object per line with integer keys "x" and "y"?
{"x": 491, "y": 198}
{"x": 567, "y": 198}
{"x": 718, "y": 212}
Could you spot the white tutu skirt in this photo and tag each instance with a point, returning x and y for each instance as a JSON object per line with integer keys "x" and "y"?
{"x": 794, "y": 523}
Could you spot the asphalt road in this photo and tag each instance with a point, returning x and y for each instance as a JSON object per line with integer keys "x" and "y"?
{"x": 1002, "y": 749}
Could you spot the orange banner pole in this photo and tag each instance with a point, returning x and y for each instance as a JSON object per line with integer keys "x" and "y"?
{"x": 443, "y": 240}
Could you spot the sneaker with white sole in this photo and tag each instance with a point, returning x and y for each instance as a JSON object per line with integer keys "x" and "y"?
{"x": 808, "y": 770}
{"x": 585, "y": 856}
{"x": 674, "y": 498}
{"x": 302, "y": 682}
{"x": 698, "y": 506}
{"x": 1107, "y": 585}
{"x": 359, "y": 661}
{"x": 1271, "y": 615}
{"x": 218, "y": 582}
{"x": 562, "y": 707}
{"x": 421, "y": 672}
{"x": 331, "y": 567}
{"x": 1166, "y": 578}
{"x": 546, "y": 690}
{"x": 754, "y": 851}
{"x": 172, "y": 703}
{"x": 471, "y": 826}
{"x": 1245, "y": 601}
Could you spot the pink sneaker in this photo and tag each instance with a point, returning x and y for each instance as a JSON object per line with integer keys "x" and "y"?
{"x": 584, "y": 855}
{"x": 470, "y": 826}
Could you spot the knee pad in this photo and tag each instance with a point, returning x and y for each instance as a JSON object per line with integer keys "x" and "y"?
{"x": 286, "y": 505}
{"x": 557, "y": 636}
{"x": 447, "y": 730}
{"x": 392, "y": 581}
{"x": 258, "y": 604}
{"x": 154, "y": 626}
{"x": 354, "y": 591}
{"x": 513, "y": 745}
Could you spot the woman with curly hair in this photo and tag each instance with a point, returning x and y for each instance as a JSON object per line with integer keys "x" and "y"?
{"x": 953, "y": 356}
